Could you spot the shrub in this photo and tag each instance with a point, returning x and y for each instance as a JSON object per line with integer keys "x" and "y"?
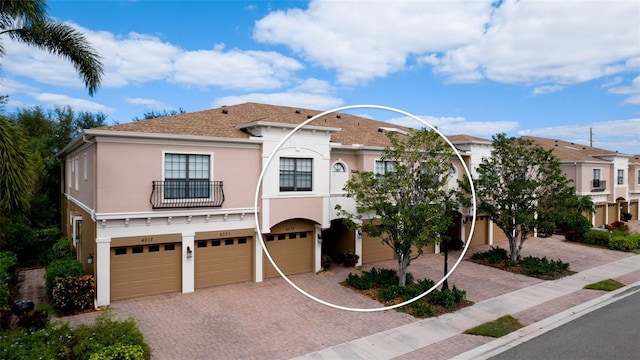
{"x": 444, "y": 298}
{"x": 119, "y": 352}
{"x": 422, "y": 309}
{"x": 597, "y": 237}
{"x": 8, "y": 264}
{"x": 626, "y": 216}
{"x": 107, "y": 332}
{"x": 53, "y": 342}
{"x": 543, "y": 266}
{"x": 493, "y": 255}
{"x": 458, "y": 295}
{"x": 393, "y": 292}
{"x": 360, "y": 282}
{"x": 34, "y": 320}
{"x": 61, "y": 268}
{"x": 73, "y": 293}
{"x": 350, "y": 258}
{"x": 31, "y": 246}
{"x": 60, "y": 250}
{"x": 624, "y": 243}
{"x": 424, "y": 284}
{"x": 618, "y": 225}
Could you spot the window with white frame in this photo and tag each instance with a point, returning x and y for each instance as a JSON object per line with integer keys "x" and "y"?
{"x": 596, "y": 178}
{"x": 620, "y": 177}
{"x": 384, "y": 166}
{"x": 76, "y": 175}
{"x": 296, "y": 174}
{"x": 339, "y": 167}
{"x": 186, "y": 176}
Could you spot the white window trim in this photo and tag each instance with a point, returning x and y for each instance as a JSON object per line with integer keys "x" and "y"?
{"x": 85, "y": 166}
{"x": 76, "y": 176}
{"x": 182, "y": 152}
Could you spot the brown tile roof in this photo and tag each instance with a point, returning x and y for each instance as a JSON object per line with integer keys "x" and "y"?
{"x": 568, "y": 151}
{"x": 223, "y": 122}
{"x": 464, "y": 138}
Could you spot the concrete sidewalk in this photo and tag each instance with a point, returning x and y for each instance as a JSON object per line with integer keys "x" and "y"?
{"x": 415, "y": 339}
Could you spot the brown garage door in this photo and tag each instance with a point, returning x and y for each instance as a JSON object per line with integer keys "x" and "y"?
{"x": 223, "y": 261}
{"x": 480, "y": 232}
{"x": 292, "y": 252}
{"x": 601, "y": 213}
{"x": 145, "y": 270}
{"x": 373, "y": 249}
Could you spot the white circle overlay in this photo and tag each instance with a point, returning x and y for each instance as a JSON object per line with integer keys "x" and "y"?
{"x": 349, "y": 107}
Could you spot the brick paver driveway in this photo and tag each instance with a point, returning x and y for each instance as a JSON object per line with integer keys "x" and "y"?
{"x": 271, "y": 320}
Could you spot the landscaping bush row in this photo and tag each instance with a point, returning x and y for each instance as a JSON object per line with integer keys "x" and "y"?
{"x": 530, "y": 265}
{"x": 32, "y": 247}
{"x": 615, "y": 240}
{"x": 105, "y": 339}
{"x": 385, "y": 281}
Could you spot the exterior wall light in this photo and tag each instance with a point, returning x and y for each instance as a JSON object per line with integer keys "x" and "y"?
{"x": 90, "y": 259}
{"x": 189, "y": 253}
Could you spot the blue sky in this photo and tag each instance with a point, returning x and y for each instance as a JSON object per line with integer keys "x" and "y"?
{"x": 543, "y": 68}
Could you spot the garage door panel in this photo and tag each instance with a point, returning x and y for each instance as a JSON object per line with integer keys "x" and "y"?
{"x": 223, "y": 261}
{"x": 144, "y": 272}
{"x": 293, "y": 253}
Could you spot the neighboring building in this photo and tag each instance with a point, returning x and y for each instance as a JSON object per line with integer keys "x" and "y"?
{"x": 611, "y": 179}
{"x": 167, "y": 204}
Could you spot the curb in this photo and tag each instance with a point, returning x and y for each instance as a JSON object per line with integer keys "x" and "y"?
{"x": 527, "y": 333}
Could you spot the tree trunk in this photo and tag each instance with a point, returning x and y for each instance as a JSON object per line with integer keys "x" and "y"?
{"x": 403, "y": 264}
{"x": 513, "y": 248}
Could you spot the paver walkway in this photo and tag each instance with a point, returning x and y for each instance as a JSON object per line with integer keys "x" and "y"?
{"x": 271, "y": 320}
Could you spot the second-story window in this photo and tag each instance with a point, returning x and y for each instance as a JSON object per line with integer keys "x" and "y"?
{"x": 296, "y": 174}
{"x": 383, "y": 167}
{"x": 620, "y": 177}
{"x": 638, "y": 177}
{"x": 596, "y": 178}
{"x": 186, "y": 176}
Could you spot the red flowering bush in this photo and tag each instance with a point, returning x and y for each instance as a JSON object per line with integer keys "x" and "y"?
{"x": 73, "y": 293}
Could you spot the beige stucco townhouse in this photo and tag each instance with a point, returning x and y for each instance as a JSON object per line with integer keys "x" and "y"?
{"x": 167, "y": 204}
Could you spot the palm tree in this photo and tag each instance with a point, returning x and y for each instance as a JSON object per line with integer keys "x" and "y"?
{"x": 26, "y": 21}
{"x": 16, "y": 175}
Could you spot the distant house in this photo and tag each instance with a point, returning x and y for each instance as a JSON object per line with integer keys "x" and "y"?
{"x": 611, "y": 179}
{"x": 167, "y": 204}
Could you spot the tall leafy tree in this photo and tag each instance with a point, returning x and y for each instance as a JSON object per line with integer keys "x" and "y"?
{"x": 26, "y": 21}
{"x": 513, "y": 184}
{"x": 407, "y": 205}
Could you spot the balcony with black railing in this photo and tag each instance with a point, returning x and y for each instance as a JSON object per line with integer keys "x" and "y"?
{"x": 598, "y": 185}
{"x": 186, "y": 194}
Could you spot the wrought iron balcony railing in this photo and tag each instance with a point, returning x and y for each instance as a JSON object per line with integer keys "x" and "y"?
{"x": 598, "y": 185}
{"x": 186, "y": 194}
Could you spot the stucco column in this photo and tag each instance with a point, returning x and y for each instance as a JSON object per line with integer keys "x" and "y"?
{"x": 188, "y": 264}
{"x": 490, "y": 231}
{"x": 103, "y": 271}
{"x": 317, "y": 251}
{"x": 358, "y": 242}
{"x": 258, "y": 256}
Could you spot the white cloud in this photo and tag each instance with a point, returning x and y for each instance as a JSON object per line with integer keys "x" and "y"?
{"x": 58, "y": 100}
{"x": 135, "y": 58}
{"x": 522, "y": 42}
{"x": 563, "y": 42}
{"x": 632, "y": 90}
{"x": 295, "y": 99}
{"x": 615, "y": 135}
{"x": 547, "y": 89}
{"x": 235, "y": 69}
{"x": 459, "y": 125}
{"x": 364, "y": 40}
{"x": 149, "y": 103}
